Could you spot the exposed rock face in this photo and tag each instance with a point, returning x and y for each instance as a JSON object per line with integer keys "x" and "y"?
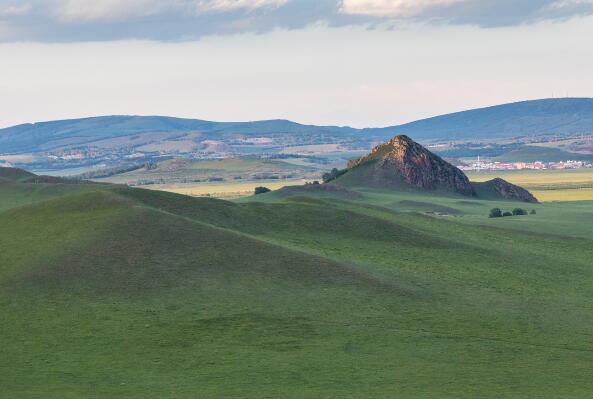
{"x": 403, "y": 159}
{"x": 508, "y": 191}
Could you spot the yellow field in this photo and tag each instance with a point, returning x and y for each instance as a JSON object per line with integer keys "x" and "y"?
{"x": 583, "y": 194}
{"x": 223, "y": 190}
{"x": 547, "y": 185}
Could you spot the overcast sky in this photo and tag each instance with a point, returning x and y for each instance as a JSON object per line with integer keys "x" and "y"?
{"x": 343, "y": 62}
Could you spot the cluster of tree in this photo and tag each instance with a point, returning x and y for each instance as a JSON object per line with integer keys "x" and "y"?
{"x": 333, "y": 174}
{"x": 262, "y": 190}
{"x": 499, "y": 213}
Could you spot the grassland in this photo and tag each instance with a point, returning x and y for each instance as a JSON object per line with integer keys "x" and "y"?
{"x": 548, "y": 185}
{"x": 227, "y": 190}
{"x": 108, "y": 291}
{"x": 183, "y": 171}
{"x": 221, "y": 178}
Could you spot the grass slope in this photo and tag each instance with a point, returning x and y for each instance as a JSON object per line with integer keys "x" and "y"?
{"x": 228, "y": 169}
{"x": 113, "y": 292}
{"x": 543, "y": 154}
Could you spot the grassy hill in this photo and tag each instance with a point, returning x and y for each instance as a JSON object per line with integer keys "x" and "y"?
{"x": 228, "y": 169}
{"x": 107, "y": 291}
{"x": 543, "y": 154}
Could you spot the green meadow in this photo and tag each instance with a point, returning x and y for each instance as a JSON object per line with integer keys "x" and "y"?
{"x": 108, "y": 291}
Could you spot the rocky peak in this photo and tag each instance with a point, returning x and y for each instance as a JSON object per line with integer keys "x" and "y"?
{"x": 403, "y": 159}
{"x": 509, "y": 191}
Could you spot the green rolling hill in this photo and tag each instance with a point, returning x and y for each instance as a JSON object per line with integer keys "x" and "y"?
{"x": 542, "y": 154}
{"x": 108, "y": 291}
{"x": 228, "y": 169}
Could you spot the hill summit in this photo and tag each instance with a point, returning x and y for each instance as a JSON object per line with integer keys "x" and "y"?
{"x": 402, "y": 160}
{"x": 403, "y": 163}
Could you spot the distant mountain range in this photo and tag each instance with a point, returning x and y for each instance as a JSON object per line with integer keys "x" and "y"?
{"x": 561, "y": 116}
{"x": 115, "y": 138}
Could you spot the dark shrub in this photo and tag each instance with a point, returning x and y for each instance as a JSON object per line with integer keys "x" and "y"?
{"x": 333, "y": 174}
{"x": 519, "y": 212}
{"x": 507, "y": 213}
{"x": 533, "y": 212}
{"x": 495, "y": 213}
{"x": 262, "y": 190}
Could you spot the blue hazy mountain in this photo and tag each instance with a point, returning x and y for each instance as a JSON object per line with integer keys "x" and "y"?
{"x": 563, "y": 116}
{"x": 566, "y": 116}
{"x": 43, "y": 136}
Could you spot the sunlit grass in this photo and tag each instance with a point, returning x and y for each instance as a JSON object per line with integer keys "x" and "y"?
{"x": 225, "y": 189}
{"x": 547, "y": 185}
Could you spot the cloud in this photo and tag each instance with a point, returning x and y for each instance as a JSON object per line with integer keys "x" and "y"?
{"x": 14, "y": 10}
{"x": 392, "y": 8}
{"x": 104, "y": 10}
{"x": 117, "y": 10}
{"x": 232, "y": 5}
{"x": 173, "y": 20}
{"x": 561, "y": 4}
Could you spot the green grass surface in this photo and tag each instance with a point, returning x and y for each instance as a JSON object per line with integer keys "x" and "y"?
{"x": 109, "y": 292}
{"x": 229, "y": 169}
{"x": 547, "y": 185}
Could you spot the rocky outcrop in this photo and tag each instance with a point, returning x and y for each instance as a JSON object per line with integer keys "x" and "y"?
{"x": 503, "y": 189}
{"x": 404, "y": 160}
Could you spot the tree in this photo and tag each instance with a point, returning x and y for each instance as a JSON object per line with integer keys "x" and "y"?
{"x": 519, "y": 212}
{"x": 507, "y": 213}
{"x": 333, "y": 174}
{"x": 261, "y": 190}
{"x": 533, "y": 212}
{"x": 495, "y": 213}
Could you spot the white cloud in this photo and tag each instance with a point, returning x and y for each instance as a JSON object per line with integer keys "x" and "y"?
{"x": 570, "y": 3}
{"x": 560, "y": 4}
{"x": 15, "y": 10}
{"x": 118, "y": 10}
{"x": 392, "y": 8}
{"x": 105, "y": 10}
{"x": 171, "y": 20}
{"x": 232, "y": 5}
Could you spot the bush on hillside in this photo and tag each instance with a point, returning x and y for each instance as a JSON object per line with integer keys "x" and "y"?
{"x": 519, "y": 212}
{"x": 261, "y": 190}
{"x": 495, "y": 213}
{"x": 333, "y": 174}
{"x": 506, "y": 214}
{"x": 533, "y": 212}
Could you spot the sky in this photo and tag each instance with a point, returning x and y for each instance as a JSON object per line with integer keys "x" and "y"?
{"x": 361, "y": 63}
